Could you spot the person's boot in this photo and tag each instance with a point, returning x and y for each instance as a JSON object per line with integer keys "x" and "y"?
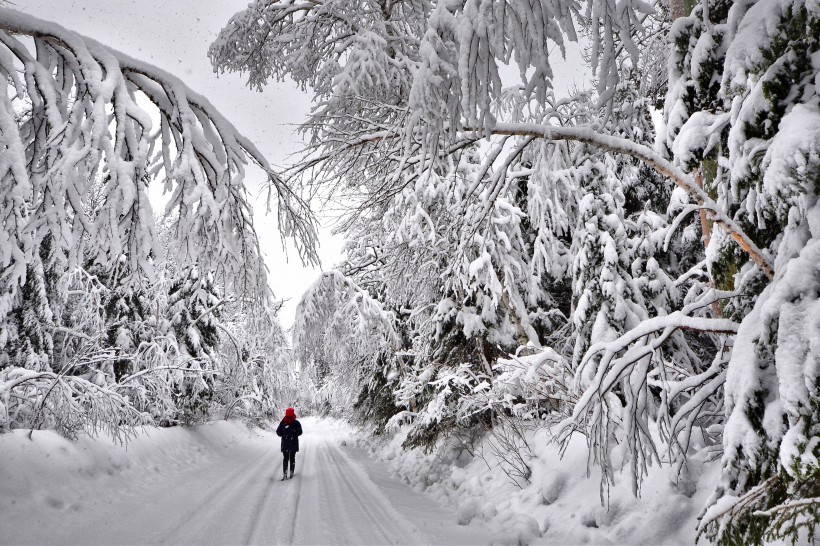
{"x": 291, "y": 474}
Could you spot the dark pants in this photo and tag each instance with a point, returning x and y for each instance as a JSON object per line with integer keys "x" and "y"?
{"x": 289, "y": 456}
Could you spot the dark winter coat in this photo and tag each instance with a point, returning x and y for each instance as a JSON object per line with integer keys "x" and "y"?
{"x": 290, "y": 435}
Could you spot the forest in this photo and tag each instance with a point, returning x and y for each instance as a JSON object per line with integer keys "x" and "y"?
{"x": 636, "y": 263}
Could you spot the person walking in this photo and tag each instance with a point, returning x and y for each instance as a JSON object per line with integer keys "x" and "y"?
{"x": 289, "y": 430}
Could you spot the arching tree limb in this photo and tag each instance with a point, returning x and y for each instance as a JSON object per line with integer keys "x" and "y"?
{"x": 650, "y": 158}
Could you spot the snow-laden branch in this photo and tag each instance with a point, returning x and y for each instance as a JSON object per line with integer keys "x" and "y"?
{"x": 69, "y": 404}
{"x": 612, "y": 380}
{"x": 611, "y": 369}
{"x": 346, "y": 148}
{"x": 789, "y": 506}
{"x": 650, "y": 158}
{"x": 79, "y": 152}
{"x": 340, "y": 330}
{"x": 620, "y": 355}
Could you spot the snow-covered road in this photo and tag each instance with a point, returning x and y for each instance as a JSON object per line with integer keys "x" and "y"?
{"x": 234, "y": 496}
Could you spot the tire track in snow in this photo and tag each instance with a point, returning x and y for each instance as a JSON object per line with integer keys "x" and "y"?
{"x": 260, "y": 530}
{"x": 180, "y": 531}
{"x": 328, "y": 517}
{"x": 307, "y": 455}
{"x": 256, "y": 516}
{"x": 345, "y": 506}
{"x": 390, "y": 523}
{"x": 355, "y": 490}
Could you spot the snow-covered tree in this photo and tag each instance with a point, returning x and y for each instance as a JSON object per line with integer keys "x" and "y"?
{"x": 193, "y": 309}
{"x": 84, "y": 132}
{"x": 257, "y": 372}
{"x": 678, "y": 303}
{"x": 341, "y": 337}
{"x": 757, "y": 116}
{"x": 73, "y": 124}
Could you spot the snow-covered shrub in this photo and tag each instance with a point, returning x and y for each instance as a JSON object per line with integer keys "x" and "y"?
{"x": 445, "y": 407}
{"x": 70, "y": 405}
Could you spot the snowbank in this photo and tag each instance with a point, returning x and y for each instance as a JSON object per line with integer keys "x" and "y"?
{"x": 47, "y": 478}
{"x": 560, "y": 504}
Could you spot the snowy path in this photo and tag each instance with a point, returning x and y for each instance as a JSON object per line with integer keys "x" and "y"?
{"x": 234, "y": 496}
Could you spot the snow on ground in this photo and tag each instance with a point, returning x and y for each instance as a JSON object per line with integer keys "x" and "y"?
{"x": 560, "y": 504}
{"x": 219, "y": 484}
{"x": 212, "y": 484}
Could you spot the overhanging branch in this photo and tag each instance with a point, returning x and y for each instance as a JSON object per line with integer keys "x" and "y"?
{"x": 650, "y": 158}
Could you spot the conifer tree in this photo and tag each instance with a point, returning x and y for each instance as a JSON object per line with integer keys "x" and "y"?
{"x": 193, "y": 312}
{"x": 760, "y": 121}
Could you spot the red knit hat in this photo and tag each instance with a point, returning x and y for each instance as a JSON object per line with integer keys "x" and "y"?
{"x": 290, "y": 412}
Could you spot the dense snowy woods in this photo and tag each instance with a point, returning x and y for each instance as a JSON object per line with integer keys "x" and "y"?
{"x": 520, "y": 257}
{"x": 111, "y": 313}
{"x": 635, "y": 265}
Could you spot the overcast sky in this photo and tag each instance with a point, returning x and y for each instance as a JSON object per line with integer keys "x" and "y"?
{"x": 175, "y": 35}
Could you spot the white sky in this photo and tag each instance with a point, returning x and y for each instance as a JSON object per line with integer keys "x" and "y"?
{"x": 174, "y": 35}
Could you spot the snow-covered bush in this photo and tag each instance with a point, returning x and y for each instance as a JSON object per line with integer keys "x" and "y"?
{"x": 70, "y": 405}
